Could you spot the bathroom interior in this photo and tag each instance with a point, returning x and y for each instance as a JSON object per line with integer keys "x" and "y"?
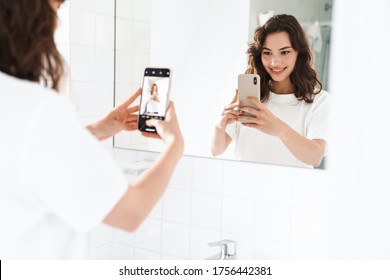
{"x": 217, "y": 207}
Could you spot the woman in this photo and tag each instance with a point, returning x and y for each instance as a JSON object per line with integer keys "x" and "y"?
{"x": 57, "y": 182}
{"x": 153, "y": 104}
{"x": 289, "y": 124}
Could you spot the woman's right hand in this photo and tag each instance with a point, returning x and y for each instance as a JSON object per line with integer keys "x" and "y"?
{"x": 230, "y": 114}
{"x": 168, "y": 130}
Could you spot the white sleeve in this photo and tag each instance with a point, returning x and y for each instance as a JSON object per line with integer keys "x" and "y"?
{"x": 318, "y": 126}
{"x": 68, "y": 170}
{"x": 231, "y": 130}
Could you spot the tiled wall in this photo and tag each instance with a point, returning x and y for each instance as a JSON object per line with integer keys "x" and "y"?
{"x": 273, "y": 212}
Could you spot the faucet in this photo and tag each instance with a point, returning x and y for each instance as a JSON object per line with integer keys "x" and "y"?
{"x": 228, "y": 250}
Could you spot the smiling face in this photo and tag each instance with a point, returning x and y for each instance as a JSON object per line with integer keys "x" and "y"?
{"x": 278, "y": 58}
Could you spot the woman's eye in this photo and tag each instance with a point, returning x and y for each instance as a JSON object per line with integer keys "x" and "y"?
{"x": 266, "y": 53}
{"x": 285, "y": 52}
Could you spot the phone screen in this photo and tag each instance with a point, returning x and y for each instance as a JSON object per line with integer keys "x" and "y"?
{"x": 154, "y": 97}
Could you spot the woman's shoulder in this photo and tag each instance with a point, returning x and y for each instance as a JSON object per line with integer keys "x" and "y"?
{"x": 322, "y": 96}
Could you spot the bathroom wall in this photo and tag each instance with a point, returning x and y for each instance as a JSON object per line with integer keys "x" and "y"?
{"x": 273, "y": 212}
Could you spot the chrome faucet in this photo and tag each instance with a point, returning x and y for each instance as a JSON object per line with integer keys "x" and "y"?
{"x": 228, "y": 250}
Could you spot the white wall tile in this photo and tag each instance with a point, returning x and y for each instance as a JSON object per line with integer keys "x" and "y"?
{"x": 207, "y": 175}
{"x": 124, "y": 31}
{"x": 103, "y": 99}
{"x": 124, "y": 8}
{"x": 83, "y": 28}
{"x": 105, "y": 31}
{"x": 82, "y": 96}
{"x": 206, "y": 210}
{"x": 238, "y": 216}
{"x": 240, "y": 179}
{"x": 177, "y": 206}
{"x": 176, "y": 240}
{"x": 272, "y": 222}
{"x": 182, "y": 176}
{"x": 267, "y": 250}
{"x": 142, "y": 10}
{"x": 106, "y": 7}
{"x": 245, "y": 246}
{"x": 83, "y": 61}
{"x": 104, "y": 65}
{"x": 89, "y": 5}
{"x": 101, "y": 253}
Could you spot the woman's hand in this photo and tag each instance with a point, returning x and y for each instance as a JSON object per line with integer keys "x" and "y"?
{"x": 168, "y": 130}
{"x": 120, "y": 118}
{"x": 263, "y": 119}
{"x": 229, "y": 114}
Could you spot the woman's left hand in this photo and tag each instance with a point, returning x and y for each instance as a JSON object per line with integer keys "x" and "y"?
{"x": 263, "y": 119}
{"x": 122, "y": 117}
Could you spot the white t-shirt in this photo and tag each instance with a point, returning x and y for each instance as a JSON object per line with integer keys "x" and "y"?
{"x": 308, "y": 119}
{"x": 57, "y": 182}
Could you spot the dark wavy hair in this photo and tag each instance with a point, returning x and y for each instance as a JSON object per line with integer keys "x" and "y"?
{"x": 27, "y": 47}
{"x": 304, "y": 77}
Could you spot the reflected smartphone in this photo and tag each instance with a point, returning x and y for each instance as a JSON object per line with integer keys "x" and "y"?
{"x": 248, "y": 85}
{"x": 155, "y": 96}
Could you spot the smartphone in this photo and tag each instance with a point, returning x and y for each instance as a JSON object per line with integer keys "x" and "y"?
{"x": 248, "y": 85}
{"x": 155, "y": 96}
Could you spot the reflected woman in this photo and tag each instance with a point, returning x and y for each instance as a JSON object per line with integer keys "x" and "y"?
{"x": 153, "y": 104}
{"x": 289, "y": 122}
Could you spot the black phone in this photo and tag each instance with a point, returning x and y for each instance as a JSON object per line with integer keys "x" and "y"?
{"x": 155, "y": 96}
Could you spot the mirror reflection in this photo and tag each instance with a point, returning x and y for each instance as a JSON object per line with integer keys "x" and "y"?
{"x": 205, "y": 44}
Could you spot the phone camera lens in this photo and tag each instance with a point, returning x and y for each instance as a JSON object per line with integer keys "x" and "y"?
{"x": 255, "y": 80}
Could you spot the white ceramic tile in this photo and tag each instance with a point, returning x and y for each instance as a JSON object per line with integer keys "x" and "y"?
{"x": 206, "y": 210}
{"x": 101, "y": 235}
{"x": 83, "y": 64}
{"x": 182, "y": 176}
{"x": 148, "y": 235}
{"x": 140, "y": 254}
{"x": 106, "y": 7}
{"x": 240, "y": 179}
{"x": 200, "y": 239}
{"x": 123, "y": 237}
{"x": 124, "y": 9}
{"x": 207, "y": 175}
{"x": 140, "y": 62}
{"x": 101, "y": 253}
{"x": 122, "y": 252}
{"x": 238, "y": 216}
{"x": 157, "y": 210}
{"x": 176, "y": 239}
{"x": 245, "y": 246}
{"x": 62, "y": 35}
{"x": 298, "y": 253}
{"x": 307, "y": 194}
{"x": 82, "y": 27}
{"x": 268, "y": 250}
{"x": 123, "y": 70}
{"x": 105, "y": 31}
{"x": 275, "y": 184}
{"x": 142, "y": 10}
{"x": 124, "y": 34}
{"x": 84, "y": 4}
{"x": 141, "y": 37}
{"x": 103, "y": 98}
{"x": 104, "y": 65}
{"x": 308, "y": 228}
{"x": 272, "y": 222}
{"x": 168, "y": 257}
{"x": 82, "y": 96}
{"x": 177, "y": 206}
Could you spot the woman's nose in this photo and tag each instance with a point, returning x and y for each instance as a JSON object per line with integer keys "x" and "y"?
{"x": 274, "y": 61}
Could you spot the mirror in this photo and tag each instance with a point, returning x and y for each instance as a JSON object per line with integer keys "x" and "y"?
{"x": 204, "y": 43}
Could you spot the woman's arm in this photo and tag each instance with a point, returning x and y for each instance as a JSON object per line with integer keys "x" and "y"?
{"x": 144, "y": 193}
{"x": 308, "y": 151}
{"x": 220, "y": 139}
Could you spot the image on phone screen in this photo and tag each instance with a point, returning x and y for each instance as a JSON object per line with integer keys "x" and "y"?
{"x": 154, "y": 97}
